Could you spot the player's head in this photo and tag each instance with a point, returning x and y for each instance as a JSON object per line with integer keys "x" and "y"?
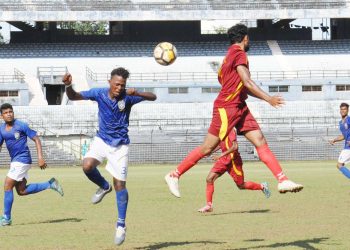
{"x": 7, "y": 112}
{"x": 344, "y": 109}
{"x": 239, "y": 34}
{"x": 117, "y": 82}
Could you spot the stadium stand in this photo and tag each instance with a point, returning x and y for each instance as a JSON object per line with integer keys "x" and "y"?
{"x": 304, "y": 47}
{"x": 119, "y": 49}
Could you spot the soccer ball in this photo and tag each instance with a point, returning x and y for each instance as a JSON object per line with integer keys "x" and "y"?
{"x": 165, "y": 53}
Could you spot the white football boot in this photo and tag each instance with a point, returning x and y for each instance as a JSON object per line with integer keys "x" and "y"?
{"x": 173, "y": 184}
{"x": 289, "y": 186}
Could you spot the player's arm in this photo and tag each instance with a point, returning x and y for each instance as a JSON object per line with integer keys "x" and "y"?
{"x": 229, "y": 151}
{"x": 149, "y": 96}
{"x": 72, "y": 95}
{"x": 41, "y": 161}
{"x": 254, "y": 90}
{"x": 336, "y": 139}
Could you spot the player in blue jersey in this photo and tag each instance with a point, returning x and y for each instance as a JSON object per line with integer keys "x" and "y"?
{"x": 112, "y": 140}
{"x": 344, "y": 127}
{"x": 15, "y": 133}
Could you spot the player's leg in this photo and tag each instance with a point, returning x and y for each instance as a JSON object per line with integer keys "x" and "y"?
{"x": 344, "y": 158}
{"x": 172, "y": 178}
{"x": 212, "y": 176}
{"x": 117, "y": 166}
{"x": 222, "y": 123}
{"x": 5, "y": 219}
{"x": 92, "y": 159}
{"x": 237, "y": 174}
{"x": 23, "y": 189}
{"x": 122, "y": 197}
{"x": 257, "y": 138}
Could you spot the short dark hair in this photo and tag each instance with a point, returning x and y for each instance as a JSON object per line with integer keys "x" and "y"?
{"x": 344, "y": 104}
{"x": 120, "y": 72}
{"x": 237, "y": 32}
{"x": 5, "y": 106}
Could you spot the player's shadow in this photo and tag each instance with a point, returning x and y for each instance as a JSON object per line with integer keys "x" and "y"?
{"x": 255, "y": 211}
{"x": 56, "y": 221}
{"x": 303, "y": 244}
{"x": 176, "y": 244}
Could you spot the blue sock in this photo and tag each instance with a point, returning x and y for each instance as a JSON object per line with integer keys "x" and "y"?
{"x": 345, "y": 171}
{"x": 97, "y": 178}
{"x": 8, "y": 201}
{"x": 37, "y": 187}
{"x": 122, "y": 202}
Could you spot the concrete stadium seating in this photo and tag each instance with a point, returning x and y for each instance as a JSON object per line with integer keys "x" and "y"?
{"x": 119, "y": 49}
{"x": 315, "y": 47}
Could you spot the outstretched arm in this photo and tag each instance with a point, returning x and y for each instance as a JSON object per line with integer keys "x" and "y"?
{"x": 72, "y": 95}
{"x": 336, "y": 139}
{"x": 41, "y": 161}
{"x": 149, "y": 96}
{"x": 254, "y": 89}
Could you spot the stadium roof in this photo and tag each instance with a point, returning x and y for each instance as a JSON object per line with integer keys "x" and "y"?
{"x": 140, "y": 10}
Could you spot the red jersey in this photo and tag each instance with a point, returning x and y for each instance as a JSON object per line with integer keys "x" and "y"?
{"x": 232, "y": 90}
{"x": 226, "y": 144}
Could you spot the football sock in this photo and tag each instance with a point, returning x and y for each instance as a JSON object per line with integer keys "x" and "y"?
{"x": 122, "y": 203}
{"x": 8, "y": 201}
{"x": 209, "y": 193}
{"x": 37, "y": 187}
{"x": 191, "y": 159}
{"x": 267, "y": 157}
{"x": 252, "y": 185}
{"x": 95, "y": 176}
{"x": 345, "y": 171}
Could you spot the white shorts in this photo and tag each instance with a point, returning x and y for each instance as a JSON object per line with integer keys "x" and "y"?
{"x": 18, "y": 171}
{"x": 344, "y": 156}
{"x": 117, "y": 157}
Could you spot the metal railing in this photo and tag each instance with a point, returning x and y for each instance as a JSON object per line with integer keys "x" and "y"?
{"x": 16, "y": 77}
{"x": 210, "y": 76}
{"x": 51, "y": 75}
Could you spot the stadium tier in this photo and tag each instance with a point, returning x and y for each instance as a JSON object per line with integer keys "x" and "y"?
{"x": 303, "y": 47}
{"x": 185, "y": 49}
{"x": 120, "y": 49}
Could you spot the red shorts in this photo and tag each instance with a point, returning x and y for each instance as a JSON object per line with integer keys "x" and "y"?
{"x": 225, "y": 119}
{"x": 232, "y": 167}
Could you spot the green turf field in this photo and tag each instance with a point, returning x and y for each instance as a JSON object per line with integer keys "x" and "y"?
{"x": 316, "y": 218}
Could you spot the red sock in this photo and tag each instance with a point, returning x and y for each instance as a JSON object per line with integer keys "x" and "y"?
{"x": 191, "y": 159}
{"x": 252, "y": 185}
{"x": 209, "y": 192}
{"x": 267, "y": 157}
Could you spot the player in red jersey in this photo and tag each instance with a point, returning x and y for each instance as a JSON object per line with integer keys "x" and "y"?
{"x": 230, "y": 110}
{"x": 229, "y": 161}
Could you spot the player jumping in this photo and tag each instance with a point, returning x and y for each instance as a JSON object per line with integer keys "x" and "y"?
{"x": 229, "y": 161}
{"x": 15, "y": 132}
{"x": 230, "y": 110}
{"x": 112, "y": 140}
{"x": 344, "y": 127}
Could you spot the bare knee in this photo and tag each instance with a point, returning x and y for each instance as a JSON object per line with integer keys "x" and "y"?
{"x": 21, "y": 192}
{"x": 256, "y": 137}
{"x": 207, "y": 149}
{"x": 89, "y": 164}
{"x": 210, "y": 179}
{"x": 340, "y": 165}
{"x": 118, "y": 184}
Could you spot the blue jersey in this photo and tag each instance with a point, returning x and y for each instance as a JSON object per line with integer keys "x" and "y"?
{"x": 345, "y": 130}
{"x": 113, "y": 115}
{"x": 16, "y": 141}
